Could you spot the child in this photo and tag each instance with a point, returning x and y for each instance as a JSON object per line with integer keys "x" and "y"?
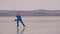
{"x": 19, "y": 19}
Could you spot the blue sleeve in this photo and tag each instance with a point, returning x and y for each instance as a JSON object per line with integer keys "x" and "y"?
{"x": 18, "y": 17}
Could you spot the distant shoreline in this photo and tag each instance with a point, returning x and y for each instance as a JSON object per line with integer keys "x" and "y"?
{"x": 29, "y": 16}
{"x": 31, "y": 13}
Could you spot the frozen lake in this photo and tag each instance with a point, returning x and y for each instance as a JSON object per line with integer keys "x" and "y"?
{"x": 34, "y": 25}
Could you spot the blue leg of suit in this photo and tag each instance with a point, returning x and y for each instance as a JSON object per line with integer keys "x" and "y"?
{"x": 21, "y": 22}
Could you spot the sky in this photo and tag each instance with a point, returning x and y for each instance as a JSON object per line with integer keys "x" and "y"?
{"x": 29, "y": 4}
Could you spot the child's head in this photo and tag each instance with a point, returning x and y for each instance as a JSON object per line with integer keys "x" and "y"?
{"x": 17, "y": 13}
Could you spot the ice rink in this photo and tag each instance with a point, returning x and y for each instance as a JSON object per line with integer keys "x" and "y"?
{"x": 34, "y": 25}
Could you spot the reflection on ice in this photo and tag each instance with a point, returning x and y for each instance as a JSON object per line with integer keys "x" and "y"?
{"x": 17, "y": 30}
{"x": 20, "y": 31}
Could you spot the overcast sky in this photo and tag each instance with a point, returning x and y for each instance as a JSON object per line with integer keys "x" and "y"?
{"x": 29, "y": 4}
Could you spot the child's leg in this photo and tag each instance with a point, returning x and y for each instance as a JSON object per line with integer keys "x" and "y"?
{"x": 22, "y": 23}
{"x": 17, "y": 23}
